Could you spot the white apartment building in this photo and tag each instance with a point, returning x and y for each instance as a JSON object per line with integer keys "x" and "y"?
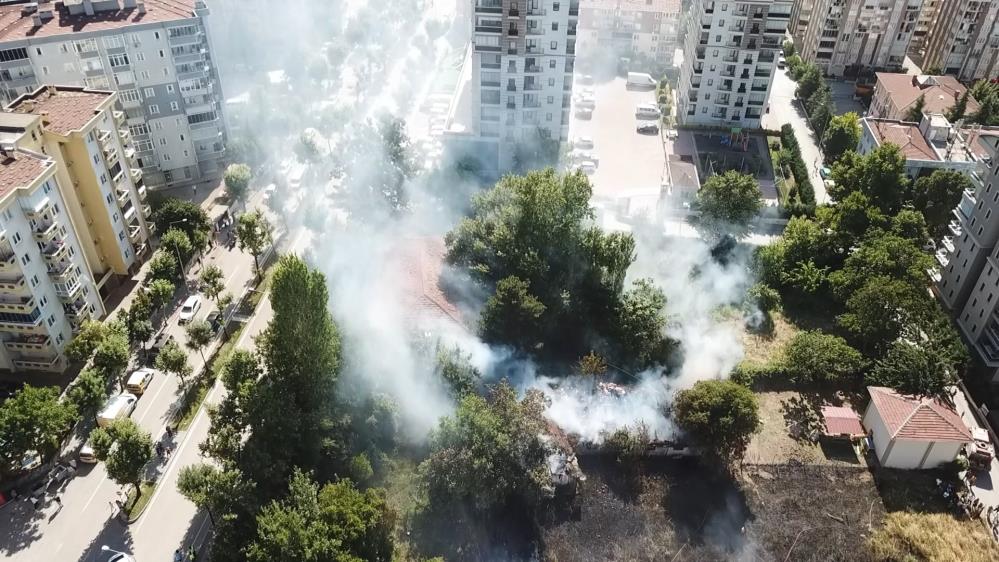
{"x": 964, "y": 39}
{"x": 643, "y": 28}
{"x": 927, "y": 16}
{"x": 46, "y": 286}
{"x": 517, "y": 82}
{"x": 847, "y": 36}
{"x": 732, "y": 48}
{"x": 801, "y": 15}
{"x": 155, "y": 53}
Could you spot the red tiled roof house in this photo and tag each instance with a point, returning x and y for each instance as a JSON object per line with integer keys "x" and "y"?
{"x": 913, "y": 431}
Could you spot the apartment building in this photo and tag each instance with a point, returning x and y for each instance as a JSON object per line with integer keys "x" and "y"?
{"x": 967, "y": 279}
{"x": 927, "y": 16}
{"x": 847, "y": 36}
{"x": 963, "y": 40}
{"x": 801, "y": 15}
{"x": 631, "y": 28}
{"x": 155, "y": 53}
{"x": 518, "y": 76}
{"x": 732, "y": 49}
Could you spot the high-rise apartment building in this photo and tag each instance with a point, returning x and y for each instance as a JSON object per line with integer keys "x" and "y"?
{"x": 964, "y": 39}
{"x": 801, "y": 15}
{"x": 846, "y": 36}
{"x": 967, "y": 279}
{"x": 927, "y": 16}
{"x": 732, "y": 48}
{"x": 155, "y": 53}
{"x": 520, "y": 74}
{"x": 631, "y": 28}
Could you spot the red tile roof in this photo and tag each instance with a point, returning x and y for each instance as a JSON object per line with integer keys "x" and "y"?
{"x": 905, "y": 135}
{"x": 842, "y": 420}
{"x": 18, "y": 169}
{"x": 67, "y": 109}
{"x": 15, "y": 26}
{"x": 918, "y": 417}
{"x": 421, "y": 262}
{"x": 939, "y": 95}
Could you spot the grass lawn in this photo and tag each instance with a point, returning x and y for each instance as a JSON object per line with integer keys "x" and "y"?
{"x": 400, "y": 481}
{"x": 195, "y": 394}
{"x": 135, "y": 503}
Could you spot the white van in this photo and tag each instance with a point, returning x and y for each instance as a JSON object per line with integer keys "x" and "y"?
{"x": 640, "y": 81}
{"x": 190, "y": 308}
{"x": 647, "y": 111}
{"x": 116, "y": 408}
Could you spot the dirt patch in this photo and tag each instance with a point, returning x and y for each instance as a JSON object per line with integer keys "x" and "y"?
{"x": 764, "y": 347}
{"x": 788, "y": 420}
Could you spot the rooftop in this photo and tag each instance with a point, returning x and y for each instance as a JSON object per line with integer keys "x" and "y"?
{"x": 841, "y": 420}
{"x": 905, "y": 135}
{"x": 918, "y": 417}
{"x": 18, "y": 168}
{"x": 65, "y": 108}
{"x": 421, "y": 261}
{"x": 939, "y": 92}
{"x": 14, "y": 24}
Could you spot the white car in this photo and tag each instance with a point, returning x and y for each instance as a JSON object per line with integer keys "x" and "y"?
{"x": 584, "y": 112}
{"x": 190, "y": 308}
{"x": 583, "y": 142}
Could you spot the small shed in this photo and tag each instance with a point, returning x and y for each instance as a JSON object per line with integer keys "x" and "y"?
{"x": 842, "y": 421}
{"x": 913, "y": 431}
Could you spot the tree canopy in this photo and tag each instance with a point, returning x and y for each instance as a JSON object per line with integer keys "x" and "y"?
{"x": 185, "y": 215}
{"x": 253, "y": 233}
{"x": 727, "y": 203}
{"x": 237, "y": 179}
{"x": 842, "y": 134}
{"x": 814, "y": 356}
{"x": 938, "y": 194}
{"x": 720, "y": 415}
{"x": 33, "y": 419}
{"x": 125, "y": 450}
{"x": 879, "y": 174}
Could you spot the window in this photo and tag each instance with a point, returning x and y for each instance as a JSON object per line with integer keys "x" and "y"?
{"x": 140, "y": 56}
{"x": 34, "y": 281}
{"x": 108, "y": 198}
{"x": 86, "y": 46}
{"x": 554, "y": 45}
{"x": 166, "y": 157}
{"x": 45, "y": 70}
{"x": 68, "y": 67}
{"x": 114, "y": 42}
{"x": 169, "y": 88}
{"x": 154, "y": 109}
{"x": 38, "y": 51}
{"x": 140, "y": 129}
{"x": 551, "y": 99}
{"x": 121, "y": 235}
{"x": 158, "y": 126}
{"x": 182, "y": 138}
{"x": 144, "y": 145}
{"x": 25, "y": 259}
{"x": 51, "y": 320}
{"x": 116, "y": 217}
{"x": 8, "y": 55}
{"x": 144, "y": 74}
{"x": 554, "y": 26}
{"x": 129, "y": 95}
{"x": 17, "y": 237}
{"x": 162, "y": 53}
{"x": 156, "y": 34}
{"x": 201, "y": 118}
{"x": 551, "y": 63}
{"x": 174, "y": 106}
{"x": 44, "y": 301}
{"x": 118, "y": 60}
{"x": 555, "y": 7}
{"x": 163, "y": 142}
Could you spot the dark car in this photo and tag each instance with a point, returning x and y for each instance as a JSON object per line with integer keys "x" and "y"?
{"x": 214, "y": 320}
{"x": 648, "y": 128}
{"x": 9, "y": 389}
{"x": 161, "y": 340}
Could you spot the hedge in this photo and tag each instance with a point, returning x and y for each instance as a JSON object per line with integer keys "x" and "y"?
{"x": 806, "y": 192}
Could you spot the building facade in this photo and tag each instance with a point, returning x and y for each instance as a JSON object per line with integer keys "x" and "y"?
{"x": 519, "y": 81}
{"x": 963, "y": 40}
{"x": 847, "y": 36}
{"x": 927, "y": 16}
{"x": 732, "y": 49}
{"x": 895, "y": 95}
{"x": 155, "y": 53}
{"x": 632, "y": 28}
{"x": 801, "y": 15}
{"x": 72, "y": 216}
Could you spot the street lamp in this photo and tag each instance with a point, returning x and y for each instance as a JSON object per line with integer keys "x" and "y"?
{"x": 106, "y": 548}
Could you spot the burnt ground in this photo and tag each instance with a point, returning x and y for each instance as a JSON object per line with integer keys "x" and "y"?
{"x": 684, "y": 511}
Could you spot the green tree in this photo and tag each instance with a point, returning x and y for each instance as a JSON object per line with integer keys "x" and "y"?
{"x": 83, "y": 345}
{"x": 938, "y": 194}
{"x": 199, "y": 334}
{"x": 455, "y": 367}
{"x": 33, "y": 419}
{"x": 225, "y": 494}
{"x": 512, "y": 315}
{"x": 911, "y": 225}
{"x": 177, "y": 243}
{"x": 125, "y": 449}
{"x": 849, "y": 220}
{"x": 160, "y": 293}
{"x": 488, "y": 453}
{"x": 880, "y": 175}
{"x": 641, "y": 325}
{"x": 89, "y": 392}
{"x": 960, "y": 107}
{"x": 886, "y": 255}
{"x": 727, "y": 203}
{"x": 915, "y": 112}
{"x": 237, "y": 179}
{"x": 230, "y": 420}
{"x": 592, "y": 365}
{"x": 112, "y": 355}
{"x": 172, "y": 359}
{"x": 335, "y": 523}
{"x": 820, "y": 109}
{"x": 842, "y": 134}
{"x": 877, "y": 313}
{"x": 912, "y": 369}
{"x": 720, "y": 415}
{"x": 187, "y": 216}
{"x": 809, "y": 82}
{"x": 163, "y": 266}
{"x": 253, "y": 232}
{"x": 137, "y": 320}
{"x": 815, "y": 357}
{"x": 213, "y": 283}
{"x": 788, "y": 49}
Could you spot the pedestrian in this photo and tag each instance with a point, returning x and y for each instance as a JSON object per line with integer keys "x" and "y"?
{"x": 159, "y": 449}
{"x": 58, "y": 500}
{"x": 169, "y": 451}
{"x": 170, "y": 431}
{"x": 178, "y": 556}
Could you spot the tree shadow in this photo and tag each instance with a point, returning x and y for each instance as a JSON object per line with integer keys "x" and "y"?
{"x": 115, "y": 534}
{"x": 21, "y": 526}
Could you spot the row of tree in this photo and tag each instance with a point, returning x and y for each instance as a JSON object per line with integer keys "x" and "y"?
{"x": 812, "y": 90}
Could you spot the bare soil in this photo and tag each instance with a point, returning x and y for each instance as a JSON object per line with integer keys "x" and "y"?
{"x": 788, "y": 418}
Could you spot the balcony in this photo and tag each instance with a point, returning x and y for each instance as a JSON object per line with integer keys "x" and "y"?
{"x": 762, "y": 73}
{"x": 948, "y": 243}
{"x": 13, "y": 283}
{"x": 487, "y": 7}
{"x": 45, "y": 232}
{"x": 55, "y": 251}
{"x": 77, "y": 311}
{"x": 147, "y": 211}
{"x": 532, "y": 68}
{"x": 536, "y": 30}
{"x": 61, "y": 272}
{"x": 759, "y": 89}
{"x": 942, "y": 258}
{"x": 489, "y": 29}
{"x": 955, "y": 228}
{"x": 70, "y": 291}
{"x": 136, "y": 174}
{"x": 39, "y": 363}
{"x": 17, "y": 305}
{"x": 135, "y": 233}
{"x": 28, "y": 342}
{"x": 532, "y": 87}
{"x": 756, "y": 102}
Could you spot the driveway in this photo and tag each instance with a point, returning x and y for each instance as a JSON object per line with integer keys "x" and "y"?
{"x": 785, "y": 109}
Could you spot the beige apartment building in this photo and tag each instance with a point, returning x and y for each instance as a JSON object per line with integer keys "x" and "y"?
{"x": 644, "y": 28}
{"x": 72, "y": 219}
{"x": 963, "y": 40}
{"x": 844, "y": 37}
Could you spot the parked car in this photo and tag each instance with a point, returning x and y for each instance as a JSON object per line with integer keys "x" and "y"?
{"x": 214, "y": 320}
{"x": 647, "y": 128}
{"x": 584, "y": 113}
{"x": 116, "y": 408}
{"x": 87, "y": 454}
{"x": 139, "y": 380}
{"x": 781, "y": 62}
{"x": 161, "y": 340}
{"x": 586, "y": 102}
{"x": 190, "y": 308}
{"x": 586, "y": 80}
{"x": 588, "y": 168}
{"x": 584, "y": 156}
{"x": 647, "y": 111}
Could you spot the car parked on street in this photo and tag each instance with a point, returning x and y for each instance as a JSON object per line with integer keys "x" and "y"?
{"x": 583, "y": 142}
{"x": 117, "y": 407}
{"x": 190, "y": 308}
{"x": 139, "y": 380}
{"x": 647, "y": 128}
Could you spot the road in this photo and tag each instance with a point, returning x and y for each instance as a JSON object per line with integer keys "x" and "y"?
{"x": 77, "y": 530}
{"x": 784, "y": 108}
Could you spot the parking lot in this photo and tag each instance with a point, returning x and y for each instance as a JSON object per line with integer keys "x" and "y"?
{"x": 627, "y": 162}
